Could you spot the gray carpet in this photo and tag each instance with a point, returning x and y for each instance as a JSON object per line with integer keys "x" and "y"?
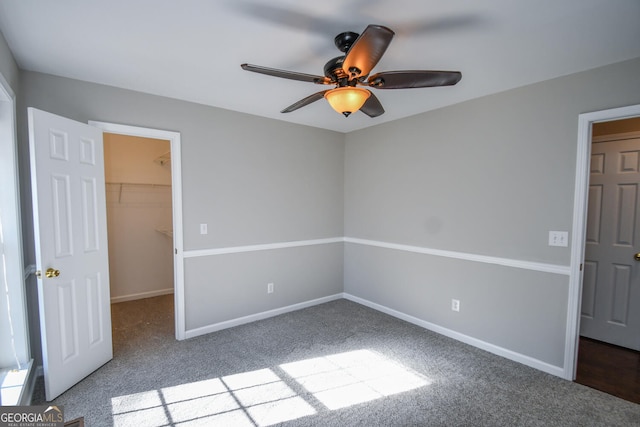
{"x": 336, "y": 364}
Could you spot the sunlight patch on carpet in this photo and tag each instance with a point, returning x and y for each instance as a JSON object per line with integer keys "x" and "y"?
{"x": 346, "y": 379}
{"x": 247, "y": 399}
{"x": 268, "y": 396}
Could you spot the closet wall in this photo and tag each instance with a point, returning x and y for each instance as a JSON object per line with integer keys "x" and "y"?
{"x": 139, "y": 216}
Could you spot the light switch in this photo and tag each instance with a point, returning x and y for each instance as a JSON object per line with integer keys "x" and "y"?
{"x": 559, "y": 238}
{"x": 203, "y": 228}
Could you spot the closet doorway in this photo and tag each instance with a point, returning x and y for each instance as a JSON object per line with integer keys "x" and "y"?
{"x": 143, "y": 177}
{"x": 139, "y": 216}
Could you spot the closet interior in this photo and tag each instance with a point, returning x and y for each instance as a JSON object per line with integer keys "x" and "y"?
{"x": 139, "y": 216}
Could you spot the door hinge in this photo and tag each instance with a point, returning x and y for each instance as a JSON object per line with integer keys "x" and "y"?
{"x": 580, "y": 267}
{"x": 31, "y": 269}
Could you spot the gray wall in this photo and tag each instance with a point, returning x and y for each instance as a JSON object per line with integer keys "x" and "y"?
{"x": 252, "y": 180}
{"x": 491, "y": 176}
{"x": 233, "y": 280}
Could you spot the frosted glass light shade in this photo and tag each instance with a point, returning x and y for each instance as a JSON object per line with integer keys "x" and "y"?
{"x": 347, "y": 100}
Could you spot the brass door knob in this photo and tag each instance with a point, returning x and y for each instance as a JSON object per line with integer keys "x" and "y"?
{"x": 49, "y": 274}
{"x": 637, "y": 256}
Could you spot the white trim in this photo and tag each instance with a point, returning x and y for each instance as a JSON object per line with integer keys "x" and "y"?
{"x": 491, "y": 348}
{"x": 30, "y": 386}
{"x": 264, "y": 247}
{"x": 135, "y": 131}
{"x": 176, "y": 191}
{"x": 142, "y": 295}
{"x": 14, "y": 390}
{"x": 585, "y": 121}
{"x": 191, "y": 333}
{"x": 507, "y": 262}
{"x": 13, "y": 235}
{"x": 483, "y": 345}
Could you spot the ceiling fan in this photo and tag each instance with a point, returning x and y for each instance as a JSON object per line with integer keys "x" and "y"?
{"x": 348, "y": 72}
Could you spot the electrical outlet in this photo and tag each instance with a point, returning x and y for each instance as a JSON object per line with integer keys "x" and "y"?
{"x": 203, "y": 228}
{"x": 559, "y": 238}
{"x": 269, "y": 288}
{"x": 455, "y": 304}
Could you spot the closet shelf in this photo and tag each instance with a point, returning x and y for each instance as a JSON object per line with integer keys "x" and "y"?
{"x": 167, "y": 231}
{"x": 136, "y": 184}
{"x": 120, "y": 187}
{"x": 164, "y": 159}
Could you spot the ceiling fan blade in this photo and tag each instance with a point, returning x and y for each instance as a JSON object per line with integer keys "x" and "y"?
{"x": 455, "y": 22}
{"x": 305, "y": 101}
{"x": 372, "y": 106}
{"x": 413, "y": 79}
{"x": 367, "y": 50}
{"x": 292, "y": 75}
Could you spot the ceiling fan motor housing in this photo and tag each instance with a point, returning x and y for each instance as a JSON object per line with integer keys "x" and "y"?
{"x": 333, "y": 69}
{"x": 343, "y": 41}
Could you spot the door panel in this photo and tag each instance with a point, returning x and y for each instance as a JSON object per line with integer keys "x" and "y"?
{"x": 95, "y": 303}
{"x": 70, "y": 231}
{"x": 62, "y": 230}
{"x": 626, "y": 214}
{"x": 67, "y": 321}
{"x": 620, "y": 295}
{"x": 611, "y": 283}
{"x": 594, "y": 218}
{"x": 90, "y": 216}
{"x": 589, "y": 289}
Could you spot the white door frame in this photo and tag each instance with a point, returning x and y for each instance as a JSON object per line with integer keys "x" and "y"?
{"x": 176, "y": 191}
{"x": 12, "y": 254}
{"x": 578, "y": 232}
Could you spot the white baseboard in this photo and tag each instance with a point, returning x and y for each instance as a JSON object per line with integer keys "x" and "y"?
{"x": 141, "y": 295}
{"x": 190, "y": 333}
{"x": 491, "y": 348}
{"x": 36, "y": 371}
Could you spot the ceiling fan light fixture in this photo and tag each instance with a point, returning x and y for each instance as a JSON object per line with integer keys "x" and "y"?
{"x": 347, "y": 100}
{"x": 362, "y": 52}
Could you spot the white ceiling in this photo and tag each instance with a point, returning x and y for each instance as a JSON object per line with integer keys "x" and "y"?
{"x": 192, "y": 49}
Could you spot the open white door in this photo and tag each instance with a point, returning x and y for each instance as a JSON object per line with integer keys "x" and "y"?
{"x": 69, "y": 210}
